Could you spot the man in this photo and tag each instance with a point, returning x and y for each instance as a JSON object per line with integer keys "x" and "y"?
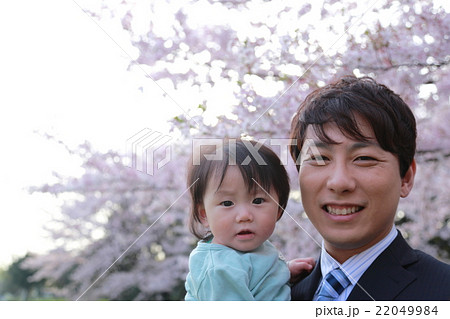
{"x": 355, "y": 145}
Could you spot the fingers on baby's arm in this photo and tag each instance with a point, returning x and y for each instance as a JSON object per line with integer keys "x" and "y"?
{"x": 301, "y": 264}
{"x": 300, "y": 268}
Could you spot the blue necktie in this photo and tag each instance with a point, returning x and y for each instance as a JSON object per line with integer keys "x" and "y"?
{"x": 334, "y": 284}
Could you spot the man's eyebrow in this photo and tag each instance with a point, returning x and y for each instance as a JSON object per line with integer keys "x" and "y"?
{"x": 319, "y": 144}
{"x": 359, "y": 145}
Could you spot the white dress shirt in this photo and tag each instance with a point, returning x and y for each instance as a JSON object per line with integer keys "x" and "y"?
{"x": 355, "y": 266}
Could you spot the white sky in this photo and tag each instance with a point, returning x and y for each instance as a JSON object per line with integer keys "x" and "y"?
{"x": 64, "y": 74}
{"x": 60, "y": 74}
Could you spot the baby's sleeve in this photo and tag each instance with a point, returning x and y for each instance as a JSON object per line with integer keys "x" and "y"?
{"x": 225, "y": 283}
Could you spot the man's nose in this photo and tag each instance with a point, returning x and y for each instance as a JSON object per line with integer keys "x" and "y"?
{"x": 341, "y": 179}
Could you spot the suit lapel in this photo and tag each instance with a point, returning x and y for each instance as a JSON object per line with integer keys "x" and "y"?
{"x": 306, "y": 288}
{"x": 387, "y": 276}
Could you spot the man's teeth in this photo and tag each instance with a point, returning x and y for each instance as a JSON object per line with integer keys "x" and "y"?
{"x": 342, "y": 211}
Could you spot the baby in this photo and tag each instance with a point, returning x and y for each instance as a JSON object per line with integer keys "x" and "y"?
{"x": 236, "y": 202}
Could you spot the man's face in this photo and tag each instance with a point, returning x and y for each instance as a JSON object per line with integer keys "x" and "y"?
{"x": 350, "y": 190}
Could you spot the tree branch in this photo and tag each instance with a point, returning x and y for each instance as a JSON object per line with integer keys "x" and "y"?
{"x": 395, "y": 66}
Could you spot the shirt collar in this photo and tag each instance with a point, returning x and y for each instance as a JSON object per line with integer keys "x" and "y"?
{"x": 355, "y": 266}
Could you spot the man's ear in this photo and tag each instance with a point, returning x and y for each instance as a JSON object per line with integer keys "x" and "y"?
{"x": 408, "y": 180}
{"x": 202, "y": 215}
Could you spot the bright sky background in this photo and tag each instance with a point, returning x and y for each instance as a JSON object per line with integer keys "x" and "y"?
{"x": 64, "y": 74}
{"x": 60, "y": 74}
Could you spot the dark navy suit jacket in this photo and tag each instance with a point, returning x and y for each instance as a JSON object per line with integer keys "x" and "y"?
{"x": 399, "y": 273}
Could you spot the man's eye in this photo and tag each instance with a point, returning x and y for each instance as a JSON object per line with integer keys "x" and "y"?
{"x": 227, "y": 203}
{"x": 366, "y": 161}
{"x": 316, "y": 159}
{"x": 365, "y": 158}
{"x": 258, "y": 200}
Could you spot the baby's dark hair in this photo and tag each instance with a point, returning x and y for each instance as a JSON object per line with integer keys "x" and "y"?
{"x": 267, "y": 170}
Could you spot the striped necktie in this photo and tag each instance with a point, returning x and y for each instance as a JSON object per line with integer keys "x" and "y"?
{"x": 334, "y": 284}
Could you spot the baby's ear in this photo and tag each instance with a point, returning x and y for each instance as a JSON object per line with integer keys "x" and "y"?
{"x": 202, "y": 215}
{"x": 280, "y": 212}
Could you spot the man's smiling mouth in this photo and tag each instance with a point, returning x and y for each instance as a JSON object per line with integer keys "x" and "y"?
{"x": 342, "y": 210}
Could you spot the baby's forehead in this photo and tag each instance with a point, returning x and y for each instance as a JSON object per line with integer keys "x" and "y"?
{"x": 225, "y": 179}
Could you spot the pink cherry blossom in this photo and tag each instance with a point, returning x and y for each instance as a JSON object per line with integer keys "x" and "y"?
{"x": 270, "y": 54}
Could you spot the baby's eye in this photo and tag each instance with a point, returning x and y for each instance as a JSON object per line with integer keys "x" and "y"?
{"x": 227, "y": 203}
{"x": 258, "y": 200}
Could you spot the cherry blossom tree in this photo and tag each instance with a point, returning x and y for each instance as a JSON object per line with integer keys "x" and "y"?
{"x": 123, "y": 234}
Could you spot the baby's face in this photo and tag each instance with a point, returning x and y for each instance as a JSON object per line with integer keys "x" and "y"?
{"x": 239, "y": 219}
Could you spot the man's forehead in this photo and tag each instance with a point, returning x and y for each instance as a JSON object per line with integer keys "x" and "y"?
{"x": 353, "y": 145}
{"x": 330, "y": 134}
